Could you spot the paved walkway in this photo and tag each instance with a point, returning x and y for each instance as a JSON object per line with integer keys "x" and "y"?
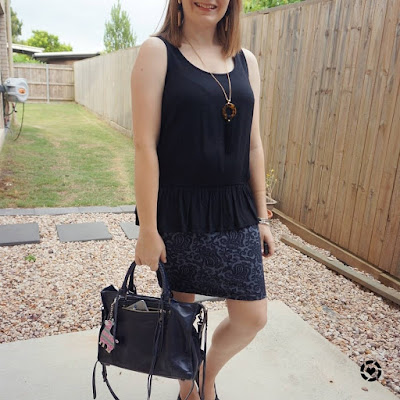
{"x": 15, "y": 234}
{"x": 288, "y": 360}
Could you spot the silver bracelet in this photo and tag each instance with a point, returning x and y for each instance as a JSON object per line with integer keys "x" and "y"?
{"x": 264, "y": 221}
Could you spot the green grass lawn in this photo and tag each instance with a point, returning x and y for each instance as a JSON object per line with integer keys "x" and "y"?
{"x": 66, "y": 156}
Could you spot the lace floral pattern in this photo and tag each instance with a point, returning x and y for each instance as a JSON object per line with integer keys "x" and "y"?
{"x": 222, "y": 264}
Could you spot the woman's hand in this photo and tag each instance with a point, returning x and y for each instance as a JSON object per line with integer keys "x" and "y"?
{"x": 266, "y": 236}
{"x": 150, "y": 249}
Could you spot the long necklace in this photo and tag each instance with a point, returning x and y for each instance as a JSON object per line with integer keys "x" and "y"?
{"x": 229, "y": 109}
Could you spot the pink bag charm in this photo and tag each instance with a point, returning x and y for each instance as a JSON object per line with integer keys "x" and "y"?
{"x": 106, "y": 338}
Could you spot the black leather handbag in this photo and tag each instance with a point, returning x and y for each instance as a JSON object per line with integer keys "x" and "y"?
{"x": 164, "y": 337}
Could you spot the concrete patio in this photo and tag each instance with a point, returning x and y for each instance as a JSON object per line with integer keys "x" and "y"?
{"x": 287, "y": 360}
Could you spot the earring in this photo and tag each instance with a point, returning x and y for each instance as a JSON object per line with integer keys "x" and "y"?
{"x": 228, "y": 11}
{"x": 226, "y": 23}
{"x": 179, "y": 13}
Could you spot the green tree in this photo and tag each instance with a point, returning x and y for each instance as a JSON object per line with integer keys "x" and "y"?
{"x": 118, "y": 33}
{"x": 16, "y": 30}
{"x": 16, "y": 26}
{"x": 255, "y": 5}
{"x": 24, "y": 58}
{"x": 47, "y": 41}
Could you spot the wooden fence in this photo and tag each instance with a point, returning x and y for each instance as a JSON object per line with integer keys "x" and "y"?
{"x": 330, "y": 119}
{"x": 330, "y": 110}
{"x": 102, "y": 84}
{"x": 47, "y": 82}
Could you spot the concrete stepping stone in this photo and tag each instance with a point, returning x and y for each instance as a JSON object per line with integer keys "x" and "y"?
{"x": 99, "y": 209}
{"x": 83, "y": 232}
{"x": 131, "y": 229}
{"x": 55, "y": 210}
{"x": 67, "y": 210}
{"x": 17, "y": 211}
{"x": 128, "y": 208}
{"x": 15, "y": 234}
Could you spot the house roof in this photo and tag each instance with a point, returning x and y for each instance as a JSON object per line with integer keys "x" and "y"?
{"x": 63, "y": 55}
{"x": 23, "y": 49}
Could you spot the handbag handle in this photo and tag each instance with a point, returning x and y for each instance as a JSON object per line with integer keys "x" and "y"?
{"x": 159, "y": 332}
{"x": 164, "y": 299}
{"x": 166, "y": 292}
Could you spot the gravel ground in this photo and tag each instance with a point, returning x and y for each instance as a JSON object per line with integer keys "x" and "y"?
{"x": 59, "y": 292}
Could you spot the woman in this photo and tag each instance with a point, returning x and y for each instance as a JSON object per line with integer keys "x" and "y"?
{"x": 199, "y": 170}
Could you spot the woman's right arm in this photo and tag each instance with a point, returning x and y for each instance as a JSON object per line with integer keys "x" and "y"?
{"x": 147, "y": 85}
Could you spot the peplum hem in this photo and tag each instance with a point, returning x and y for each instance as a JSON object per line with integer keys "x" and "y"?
{"x": 194, "y": 208}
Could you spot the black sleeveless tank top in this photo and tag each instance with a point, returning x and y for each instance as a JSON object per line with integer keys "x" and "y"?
{"x": 204, "y": 178}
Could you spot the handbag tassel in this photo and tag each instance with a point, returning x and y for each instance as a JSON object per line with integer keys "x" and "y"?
{"x": 205, "y": 353}
{"x": 157, "y": 342}
{"x": 94, "y": 379}
{"x": 159, "y": 335}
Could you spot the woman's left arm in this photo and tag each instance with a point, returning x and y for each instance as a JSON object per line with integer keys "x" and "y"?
{"x": 257, "y": 167}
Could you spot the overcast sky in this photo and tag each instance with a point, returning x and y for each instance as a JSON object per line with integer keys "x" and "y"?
{"x": 80, "y": 23}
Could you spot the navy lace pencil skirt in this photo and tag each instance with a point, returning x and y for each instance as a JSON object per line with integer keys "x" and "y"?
{"x": 221, "y": 264}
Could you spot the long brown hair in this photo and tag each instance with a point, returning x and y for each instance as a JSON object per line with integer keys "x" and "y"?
{"x": 230, "y": 40}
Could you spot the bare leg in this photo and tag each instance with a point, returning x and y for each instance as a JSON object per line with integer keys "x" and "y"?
{"x": 185, "y": 386}
{"x": 233, "y": 334}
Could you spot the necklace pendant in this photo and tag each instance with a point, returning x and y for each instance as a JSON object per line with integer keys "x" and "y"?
{"x": 228, "y": 137}
{"x": 229, "y": 111}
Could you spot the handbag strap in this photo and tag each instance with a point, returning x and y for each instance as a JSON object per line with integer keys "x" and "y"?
{"x": 105, "y": 379}
{"x": 204, "y": 326}
{"x": 94, "y": 380}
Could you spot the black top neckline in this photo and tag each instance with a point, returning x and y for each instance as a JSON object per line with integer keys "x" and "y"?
{"x": 206, "y": 72}
{"x": 199, "y": 69}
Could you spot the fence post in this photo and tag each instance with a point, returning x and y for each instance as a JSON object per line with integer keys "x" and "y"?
{"x": 47, "y": 83}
